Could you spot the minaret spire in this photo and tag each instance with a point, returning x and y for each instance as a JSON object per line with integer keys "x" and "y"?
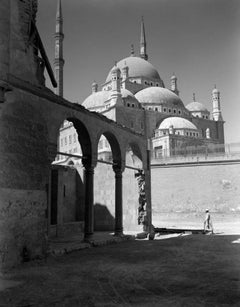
{"x": 143, "y": 43}
{"x": 59, "y": 61}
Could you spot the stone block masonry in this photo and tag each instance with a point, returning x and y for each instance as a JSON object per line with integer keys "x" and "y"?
{"x": 195, "y": 188}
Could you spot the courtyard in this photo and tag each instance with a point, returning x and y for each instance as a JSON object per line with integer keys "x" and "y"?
{"x": 173, "y": 270}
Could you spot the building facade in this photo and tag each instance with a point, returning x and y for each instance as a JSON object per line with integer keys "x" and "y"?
{"x": 134, "y": 95}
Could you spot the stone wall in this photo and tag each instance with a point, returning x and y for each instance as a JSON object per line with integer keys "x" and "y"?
{"x": 23, "y": 180}
{"x": 104, "y": 196}
{"x": 195, "y": 188}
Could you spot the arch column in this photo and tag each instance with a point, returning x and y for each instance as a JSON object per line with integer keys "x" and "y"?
{"x": 147, "y": 170}
{"x": 89, "y": 198}
{"x": 118, "y": 201}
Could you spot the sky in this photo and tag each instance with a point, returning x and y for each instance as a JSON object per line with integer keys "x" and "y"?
{"x": 198, "y": 40}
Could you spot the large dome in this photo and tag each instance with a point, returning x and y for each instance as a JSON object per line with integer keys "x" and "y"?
{"x": 159, "y": 95}
{"x": 177, "y": 123}
{"x": 196, "y": 107}
{"x": 138, "y": 67}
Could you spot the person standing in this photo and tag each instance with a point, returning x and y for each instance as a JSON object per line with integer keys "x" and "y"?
{"x": 208, "y": 222}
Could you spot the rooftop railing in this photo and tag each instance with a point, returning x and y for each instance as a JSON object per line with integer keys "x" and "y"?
{"x": 208, "y": 152}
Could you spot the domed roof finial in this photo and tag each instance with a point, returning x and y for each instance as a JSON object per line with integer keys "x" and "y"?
{"x": 115, "y": 69}
{"x": 215, "y": 90}
{"x": 132, "y": 50}
{"x": 94, "y": 87}
{"x": 194, "y": 97}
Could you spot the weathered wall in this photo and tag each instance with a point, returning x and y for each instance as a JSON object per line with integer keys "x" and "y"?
{"x": 195, "y": 188}
{"x": 23, "y": 180}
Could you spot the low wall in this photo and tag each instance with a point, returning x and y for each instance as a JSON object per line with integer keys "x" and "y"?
{"x": 192, "y": 189}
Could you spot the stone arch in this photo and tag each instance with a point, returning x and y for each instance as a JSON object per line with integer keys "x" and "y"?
{"x": 114, "y": 144}
{"x": 83, "y": 138}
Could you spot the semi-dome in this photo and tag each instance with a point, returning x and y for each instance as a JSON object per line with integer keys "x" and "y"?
{"x": 128, "y": 97}
{"x": 196, "y": 107}
{"x": 177, "y": 123}
{"x": 159, "y": 95}
{"x": 96, "y": 100}
{"x": 138, "y": 67}
{"x": 126, "y": 93}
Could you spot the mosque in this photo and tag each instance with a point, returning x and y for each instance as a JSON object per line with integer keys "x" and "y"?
{"x": 134, "y": 95}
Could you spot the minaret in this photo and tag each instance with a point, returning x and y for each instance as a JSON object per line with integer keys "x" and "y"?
{"x": 116, "y": 96}
{"x": 125, "y": 71}
{"x": 217, "y": 115}
{"x": 143, "y": 44}
{"x": 59, "y": 61}
{"x": 194, "y": 97}
{"x": 174, "y": 88}
{"x": 132, "y": 50}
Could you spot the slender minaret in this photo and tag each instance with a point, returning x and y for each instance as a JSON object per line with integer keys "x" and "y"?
{"x": 174, "y": 88}
{"x": 217, "y": 114}
{"x": 116, "y": 97}
{"x": 132, "y": 50}
{"x": 143, "y": 43}
{"x": 125, "y": 71}
{"x": 59, "y": 61}
{"x": 194, "y": 97}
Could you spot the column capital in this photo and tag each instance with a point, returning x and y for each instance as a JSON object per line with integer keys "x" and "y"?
{"x": 88, "y": 164}
{"x": 117, "y": 168}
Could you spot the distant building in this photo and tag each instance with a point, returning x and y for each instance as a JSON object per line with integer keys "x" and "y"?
{"x": 135, "y": 96}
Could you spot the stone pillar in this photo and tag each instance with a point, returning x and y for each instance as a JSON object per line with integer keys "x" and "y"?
{"x": 118, "y": 201}
{"x": 89, "y": 197}
{"x": 147, "y": 171}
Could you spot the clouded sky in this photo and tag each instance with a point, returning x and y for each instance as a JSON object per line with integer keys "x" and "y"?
{"x": 198, "y": 40}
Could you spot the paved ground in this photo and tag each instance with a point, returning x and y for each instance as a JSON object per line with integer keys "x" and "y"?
{"x": 193, "y": 270}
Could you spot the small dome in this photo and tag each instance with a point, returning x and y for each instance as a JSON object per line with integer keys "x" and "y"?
{"x": 126, "y": 93}
{"x": 115, "y": 70}
{"x": 159, "y": 95}
{"x": 177, "y": 123}
{"x": 196, "y": 107}
{"x": 138, "y": 67}
{"x": 96, "y": 99}
{"x": 215, "y": 91}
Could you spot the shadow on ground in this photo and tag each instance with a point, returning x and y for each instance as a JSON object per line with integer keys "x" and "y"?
{"x": 194, "y": 270}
